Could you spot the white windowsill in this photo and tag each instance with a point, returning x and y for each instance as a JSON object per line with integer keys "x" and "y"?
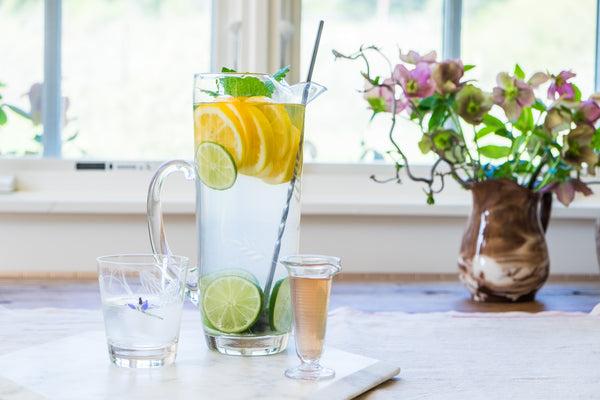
{"x": 54, "y": 187}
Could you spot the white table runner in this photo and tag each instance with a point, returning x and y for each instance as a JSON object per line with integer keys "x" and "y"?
{"x": 448, "y": 356}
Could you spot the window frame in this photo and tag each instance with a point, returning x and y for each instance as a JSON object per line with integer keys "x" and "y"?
{"x": 239, "y": 37}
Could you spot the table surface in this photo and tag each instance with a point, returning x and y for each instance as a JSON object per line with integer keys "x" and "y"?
{"x": 442, "y": 355}
{"x": 407, "y": 296}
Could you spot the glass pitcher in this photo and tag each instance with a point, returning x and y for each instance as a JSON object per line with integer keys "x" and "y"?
{"x": 248, "y": 131}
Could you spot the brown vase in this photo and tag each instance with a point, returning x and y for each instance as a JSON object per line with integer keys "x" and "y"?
{"x": 503, "y": 254}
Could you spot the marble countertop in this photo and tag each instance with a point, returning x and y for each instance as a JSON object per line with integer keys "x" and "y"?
{"x": 448, "y": 356}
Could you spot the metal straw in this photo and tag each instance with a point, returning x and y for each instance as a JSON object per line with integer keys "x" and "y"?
{"x": 297, "y": 167}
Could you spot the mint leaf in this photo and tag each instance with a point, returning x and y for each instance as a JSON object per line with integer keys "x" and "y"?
{"x": 279, "y": 75}
{"x": 245, "y": 87}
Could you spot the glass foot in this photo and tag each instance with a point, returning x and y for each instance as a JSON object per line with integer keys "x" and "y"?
{"x": 311, "y": 372}
{"x": 248, "y": 345}
{"x": 142, "y": 358}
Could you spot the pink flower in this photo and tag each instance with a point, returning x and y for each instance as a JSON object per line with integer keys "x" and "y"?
{"x": 416, "y": 83}
{"x": 561, "y": 86}
{"x": 447, "y": 75}
{"x": 382, "y": 97}
{"x": 412, "y": 57}
{"x": 589, "y": 111}
{"x": 512, "y": 95}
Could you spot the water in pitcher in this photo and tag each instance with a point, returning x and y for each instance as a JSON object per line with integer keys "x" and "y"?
{"x": 247, "y": 152}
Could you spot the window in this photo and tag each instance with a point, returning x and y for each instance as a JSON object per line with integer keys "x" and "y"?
{"x": 337, "y": 124}
{"x": 21, "y": 71}
{"x": 555, "y": 36}
{"x": 127, "y": 65}
{"x": 127, "y": 75}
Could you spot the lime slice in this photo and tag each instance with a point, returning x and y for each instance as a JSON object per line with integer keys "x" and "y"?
{"x": 232, "y": 304}
{"x": 216, "y": 167}
{"x": 215, "y": 122}
{"x": 280, "y": 307}
{"x": 242, "y": 273}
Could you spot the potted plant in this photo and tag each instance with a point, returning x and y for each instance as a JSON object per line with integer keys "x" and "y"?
{"x": 510, "y": 147}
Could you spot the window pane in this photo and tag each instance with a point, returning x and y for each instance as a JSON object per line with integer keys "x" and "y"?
{"x": 338, "y": 121}
{"x": 21, "y": 70}
{"x": 550, "y": 35}
{"x": 128, "y": 72}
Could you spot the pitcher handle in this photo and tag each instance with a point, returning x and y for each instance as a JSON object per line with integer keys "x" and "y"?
{"x": 156, "y": 227}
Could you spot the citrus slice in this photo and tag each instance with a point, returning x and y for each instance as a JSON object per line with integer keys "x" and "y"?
{"x": 214, "y": 122}
{"x": 281, "y": 124}
{"x": 259, "y": 152}
{"x": 238, "y": 108}
{"x": 216, "y": 167}
{"x": 242, "y": 273}
{"x": 280, "y": 307}
{"x": 232, "y": 304}
{"x": 283, "y": 170}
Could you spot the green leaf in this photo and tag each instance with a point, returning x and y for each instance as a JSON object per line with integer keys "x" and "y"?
{"x": 3, "y": 117}
{"x": 489, "y": 120}
{"x": 19, "y": 111}
{"x": 377, "y": 104}
{"x": 210, "y": 92}
{"x": 518, "y": 142}
{"x": 246, "y": 86}
{"x": 468, "y": 67}
{"x": 228, "y": 70}
{"x": 596, "y": 140}
{"x": 428, "y": 103}
{"x": 525, "y": 122}
{"x": 486, "y": 130}
{"x": 577, "y": 93}
{"x": 437, "y": 117}
{"x": 519, "y": 73}
{"x": 494, "y": 151}
{"x": 539, "y": 105}
{"x": 505, "y": 133}
{"x": 281, "y": 73}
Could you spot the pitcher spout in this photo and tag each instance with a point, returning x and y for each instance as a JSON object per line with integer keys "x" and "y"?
{"x": 305, "y": 92}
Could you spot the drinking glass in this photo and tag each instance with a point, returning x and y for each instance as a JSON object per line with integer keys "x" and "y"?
{"x": 310, "y": 283}
{"x": 142, "y": 299}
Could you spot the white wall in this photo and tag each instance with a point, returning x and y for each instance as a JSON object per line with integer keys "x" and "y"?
{"x": 64, "y": 226}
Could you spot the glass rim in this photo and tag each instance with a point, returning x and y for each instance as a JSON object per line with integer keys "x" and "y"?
{"x": 311, "y": 261}
{"x": 212, "y": 75}
{"x": 121, "y": 259}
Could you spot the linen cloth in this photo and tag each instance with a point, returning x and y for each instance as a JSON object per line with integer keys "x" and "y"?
{"x": 549, "y": 355}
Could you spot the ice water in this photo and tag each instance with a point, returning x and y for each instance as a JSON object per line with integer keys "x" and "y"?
{"x": 129, "y": 326}
{"x": 239, "y": 225}
{"x": 310, "y": 301}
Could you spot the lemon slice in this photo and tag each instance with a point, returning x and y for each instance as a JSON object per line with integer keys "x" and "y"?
{"x": 238, "y": 109}
{"x": 283, "y": 170}
{"x": 281, "y": 124}
{"x": 260, "y": 150}
{"x": 214, "y": 122}
{"x": 216, "y": 168}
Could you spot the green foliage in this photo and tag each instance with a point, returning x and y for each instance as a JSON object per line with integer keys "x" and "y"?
{"x": 518, "y": 72}
{"x": 538, "y": 145}
{"x": 494, "y": 151}
{"x": 247, "y": 86}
